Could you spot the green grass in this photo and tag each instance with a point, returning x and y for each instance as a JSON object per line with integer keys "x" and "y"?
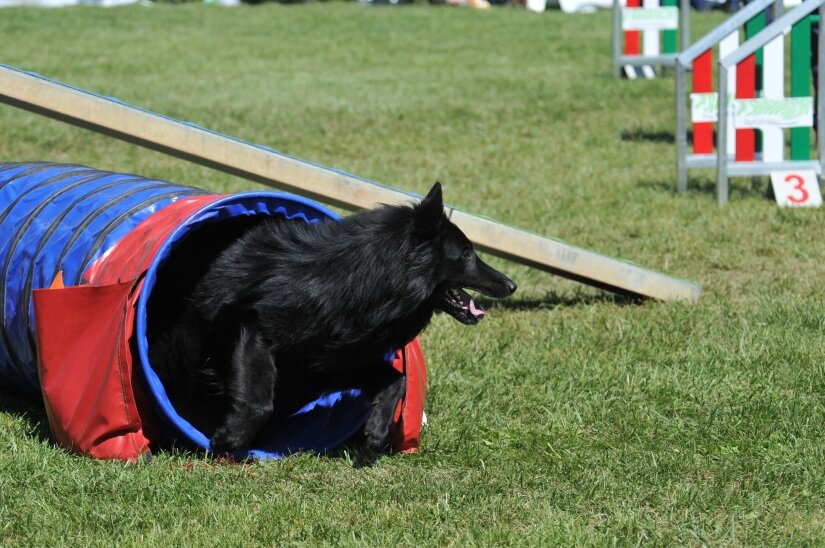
{"x": 567, "y": 416}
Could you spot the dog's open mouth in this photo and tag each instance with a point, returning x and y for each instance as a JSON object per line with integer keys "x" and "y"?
{"x": 458, "y": 304}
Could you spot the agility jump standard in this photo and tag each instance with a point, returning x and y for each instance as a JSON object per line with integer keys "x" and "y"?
{"x": 770, "y": 41}
{"x": 753, "y": 76}
{"x": 261, "y": 164}
{"x": 650, "y": 20}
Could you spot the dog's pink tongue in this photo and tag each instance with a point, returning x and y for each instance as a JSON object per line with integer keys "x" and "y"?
{"x": 476, "y": 312}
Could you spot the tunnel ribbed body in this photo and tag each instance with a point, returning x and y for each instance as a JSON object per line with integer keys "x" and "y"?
{"x": 59, "y": 218}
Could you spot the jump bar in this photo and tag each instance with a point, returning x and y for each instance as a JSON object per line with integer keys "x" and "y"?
{"x": 112, "y": 117}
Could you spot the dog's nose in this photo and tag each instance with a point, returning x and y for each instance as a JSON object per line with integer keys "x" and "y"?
{"x": 511, "y": 286}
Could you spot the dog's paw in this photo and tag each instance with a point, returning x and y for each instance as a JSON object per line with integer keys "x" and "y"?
{"x": 377, "y": 436}
{"x": 224, "y": 440}
{"x": 377, "y": 444}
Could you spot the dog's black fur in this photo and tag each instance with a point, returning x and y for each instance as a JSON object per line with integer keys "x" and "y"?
{"x": 291, "y": 306}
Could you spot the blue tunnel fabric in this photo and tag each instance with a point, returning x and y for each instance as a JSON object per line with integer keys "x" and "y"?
{"x": 59, "y": 217}
{"x": 62, "y": 218}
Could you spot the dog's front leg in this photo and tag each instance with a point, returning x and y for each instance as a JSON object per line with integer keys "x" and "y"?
{"x": 249, "y": 392}
{"x": 384, "y": 402}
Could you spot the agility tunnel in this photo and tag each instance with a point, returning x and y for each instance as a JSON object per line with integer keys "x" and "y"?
{"x": 93, "y": 264}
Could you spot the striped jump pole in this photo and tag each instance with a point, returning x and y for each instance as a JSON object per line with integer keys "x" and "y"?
{"x": 802, "y": 60}
{"x": 632, "y": 40}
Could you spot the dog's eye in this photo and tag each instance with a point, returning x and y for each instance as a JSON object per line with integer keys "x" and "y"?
{"x": 467, "y": 253}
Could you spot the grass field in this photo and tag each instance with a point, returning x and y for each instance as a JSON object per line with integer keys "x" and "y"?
{"x": 568, "y": 416}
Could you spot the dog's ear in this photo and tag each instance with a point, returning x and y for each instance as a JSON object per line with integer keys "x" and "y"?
{"x": 429, "y": 213}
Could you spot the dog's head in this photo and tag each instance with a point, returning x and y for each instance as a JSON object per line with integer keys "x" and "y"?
{"x": 458, "y": 266}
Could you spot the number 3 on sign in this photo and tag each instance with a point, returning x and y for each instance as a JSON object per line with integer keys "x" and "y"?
{"x": 796, "y": 188}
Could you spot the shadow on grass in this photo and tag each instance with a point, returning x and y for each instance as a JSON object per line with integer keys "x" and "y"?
{"x": 358, "y": 456}
{"x": 553, "y": 300}
{"x": 740, "y": 187}
{"x": 640, "y": 135}
{"x": 21, "y": 408}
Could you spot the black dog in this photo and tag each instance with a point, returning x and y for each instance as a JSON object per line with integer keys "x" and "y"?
{"x": 290, "y": 306}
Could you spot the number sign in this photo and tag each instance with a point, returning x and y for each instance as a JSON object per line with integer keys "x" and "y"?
{"x": 796, "y": 188}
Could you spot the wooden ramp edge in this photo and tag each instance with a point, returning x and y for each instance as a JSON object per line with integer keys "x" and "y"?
{"x": 112, "y": 117}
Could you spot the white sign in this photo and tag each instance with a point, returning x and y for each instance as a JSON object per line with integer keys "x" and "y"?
{"x": 704, "y": 107}
{"x": 785, "y": 112}
{"x": 796, "y": 188}
{"x": 663, "y": 18}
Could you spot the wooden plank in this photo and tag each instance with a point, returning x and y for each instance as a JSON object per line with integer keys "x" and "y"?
{"x": 111, "y": 117}
{"x": 569, "y": 261}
